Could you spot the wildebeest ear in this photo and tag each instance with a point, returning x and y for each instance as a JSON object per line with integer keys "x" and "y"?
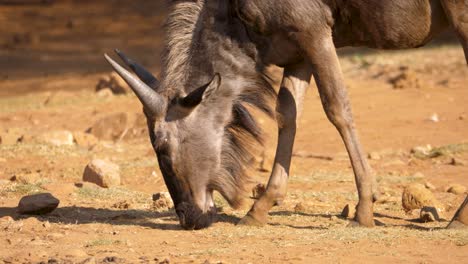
{"x": 198, "y": 95}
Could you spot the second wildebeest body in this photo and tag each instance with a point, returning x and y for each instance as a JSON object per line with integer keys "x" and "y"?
{"x": 198, "y": 124}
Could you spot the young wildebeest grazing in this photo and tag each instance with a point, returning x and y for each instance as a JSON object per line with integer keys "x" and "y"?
{"x": 214, "y": 54}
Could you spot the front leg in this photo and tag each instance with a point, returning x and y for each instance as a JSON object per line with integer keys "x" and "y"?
{"x": 321, "y": 52}
{"x": 295, "y": 81}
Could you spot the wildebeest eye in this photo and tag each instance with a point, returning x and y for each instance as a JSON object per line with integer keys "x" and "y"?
{"x": 160, "y": 139}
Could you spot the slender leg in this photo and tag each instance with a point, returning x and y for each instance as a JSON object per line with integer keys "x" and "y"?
{"x": 457, "y": 14}
{"x": 329, "y": 78}
{"x": 295, "y": 81}
{"x": 460, "y": 219}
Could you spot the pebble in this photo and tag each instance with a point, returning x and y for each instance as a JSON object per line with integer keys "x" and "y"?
{"x": 429, "y": 214}
{"x": 42, "y": 203}
{"x": 416, "y": 196}
{"x": 162, "y": 201}
{"x": 299, "y": 208}
{"x": 57, "y": 138}
{"x": 111, "y": 127}
{"x": 456, "y": 189}
{"x": 103, "y": 173}
{"x": 429, "y": 186}
{"x": 83, "y": 139}
{"x": 457, "y": 162}
{"x": 349, "y": 211}
{"x": 374, "y": 156}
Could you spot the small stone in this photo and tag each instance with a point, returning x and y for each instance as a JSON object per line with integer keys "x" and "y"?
{"x": 46, "y": 225}
{"x": 349, "y": 211}
{"x": 112, "y": 82}
{"x": 456, "y": 189}
{"x": 416, "y": 196}
{"x": 429, "y": 214}
{"x": 121, "y": 205}
{"x": 42, "y": 203}
{"x": 90, "y": 260}
{"x": 104, "y": 93}
{"x": 429, "y": 186}
{"x": 111, "y": 127}
{"x": 374, "y": 156}
{"x": 165, "y": 261}
{"x": 258, "y": 191}
{"x": 457, "y": 162}
{"x": 434, "y": 118}
{"x": 103, "y": 173}
{"x": 57, "y": 138}
{"x": 162, "y": 201}
{"x": 30, "y": 178}
{"x": 299, "y": 208}
{"x": 83, "y": 139}
{"x": 6, "y": 219}
{"x": 421, "y": 152}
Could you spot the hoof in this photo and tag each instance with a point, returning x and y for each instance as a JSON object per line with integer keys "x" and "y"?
{"x": 248, "y": 220}
{"x": 353, "y": 223}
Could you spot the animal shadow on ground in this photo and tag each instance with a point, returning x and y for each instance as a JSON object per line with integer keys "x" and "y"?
{"x": 88, "y": 215}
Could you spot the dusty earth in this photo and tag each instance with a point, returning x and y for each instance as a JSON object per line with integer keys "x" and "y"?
{"x": 51, "y": 61}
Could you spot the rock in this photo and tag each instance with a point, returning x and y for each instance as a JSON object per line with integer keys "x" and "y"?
{"x": 29, "y": 178}
{"x": 349, "y": 211}
{"x": 457, "y": 162}
{"x": 258, "y": 191}
{"x": 429, "y": 186}
{"x": 111, "y": 127}
{"x": 162, "y": 201}
{"x": 416, "y": 196}
{"x": 429, "y": 214}
{"x": 406, "y": 79}
{"x": 112, "y": 82}
{"x": 374, "y": 156}
{"x": 422, "y": 152}
{"x": 83, "y": 139}
{"x": 434, "y": 118}
{"x": 121, "y": 205}
{"x": 57, "y": 138}
{"x": 299, "y": 208}
{"x": 105, "y": 93}
{"x": 42, "y": 203}
{"x": 103, "y": 173}
{"x": 456, "y": 189}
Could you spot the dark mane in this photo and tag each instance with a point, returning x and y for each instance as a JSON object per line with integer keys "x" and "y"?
{"x": 242, "y": 133}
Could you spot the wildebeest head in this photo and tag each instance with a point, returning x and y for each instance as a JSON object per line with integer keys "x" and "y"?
{"x": 188, "y": 132}
{"x": 198, "y": 120}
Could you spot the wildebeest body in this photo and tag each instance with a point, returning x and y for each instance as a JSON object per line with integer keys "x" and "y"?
{"x": 214, "y": 54}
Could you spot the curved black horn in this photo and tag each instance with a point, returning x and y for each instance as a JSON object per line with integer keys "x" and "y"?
{"x": 150, "y": 99}
{"x": 139, "y": 70}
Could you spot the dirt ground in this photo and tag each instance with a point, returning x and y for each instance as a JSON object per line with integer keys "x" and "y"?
{"x": 51, "y": 61}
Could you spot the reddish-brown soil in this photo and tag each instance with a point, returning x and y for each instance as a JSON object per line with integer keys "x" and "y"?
{"x": 51, "y": 60}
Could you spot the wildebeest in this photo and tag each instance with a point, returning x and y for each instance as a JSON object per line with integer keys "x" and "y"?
{"x": 215, "y": 50}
